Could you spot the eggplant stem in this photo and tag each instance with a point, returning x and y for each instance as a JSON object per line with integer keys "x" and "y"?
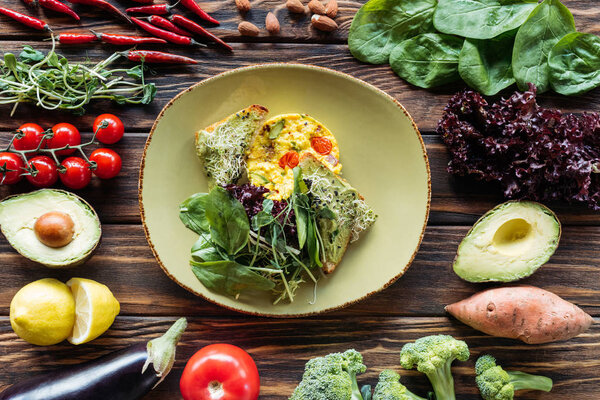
{"x": 161, "y": 351}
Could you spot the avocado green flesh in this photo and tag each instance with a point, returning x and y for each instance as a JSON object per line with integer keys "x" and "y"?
{"x": 19, "y": 213}
{"x": 508, "y": 243}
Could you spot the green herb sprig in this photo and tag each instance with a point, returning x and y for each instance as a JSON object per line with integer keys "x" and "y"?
{"x": 52, "y": 82}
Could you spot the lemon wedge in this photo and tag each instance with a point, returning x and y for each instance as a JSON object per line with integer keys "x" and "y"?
{"x": 95, "y": 309}
{"x": 43, "y": 312}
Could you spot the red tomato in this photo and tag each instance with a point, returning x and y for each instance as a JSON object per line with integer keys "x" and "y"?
{"x": 113, "y": 132}
{"x": 108, "y": 163}
{"x": 44, "y": 171}
{"x": 289, "y": 159}
{"x": 220, "y": 372}
{"x": 11, "y": 168}
{"x": 77, "y": 174}
{"x": 32, "y": 137}
{"x": 321, "y": 145}
{"x": 64, "y": 134}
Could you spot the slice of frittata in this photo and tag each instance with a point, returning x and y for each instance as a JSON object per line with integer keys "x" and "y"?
{"x": 222, "y": 146}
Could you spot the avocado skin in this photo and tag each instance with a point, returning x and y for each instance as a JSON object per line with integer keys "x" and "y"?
{"x": 67, "y": 264}
{"x": 530, "y": 264}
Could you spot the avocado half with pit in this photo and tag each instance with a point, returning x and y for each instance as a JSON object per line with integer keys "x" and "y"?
{"x": 508, "y": 243}
{"x": 52, "y": 227}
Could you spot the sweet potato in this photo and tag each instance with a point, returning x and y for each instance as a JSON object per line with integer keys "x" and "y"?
{"x": 527, "y": 313}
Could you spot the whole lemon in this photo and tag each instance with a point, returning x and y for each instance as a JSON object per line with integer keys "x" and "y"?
{"x": 43, "y": 312}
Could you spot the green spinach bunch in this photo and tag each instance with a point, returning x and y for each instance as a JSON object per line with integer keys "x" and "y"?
{"x": 489, "y": 44}
{"x": 235, "y": 254}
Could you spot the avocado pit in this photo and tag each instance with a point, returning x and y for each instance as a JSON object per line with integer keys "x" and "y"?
{"x": 54, "y": 229}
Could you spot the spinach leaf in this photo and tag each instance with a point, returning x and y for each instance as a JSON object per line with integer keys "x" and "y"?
{"x": 301, "y": 205}
{"x": 312, "y": 243}
{"x": 229, "y": 226}
{"x": 546, "y": 25}
{"x": 380, "y": 25}
{"x": 204, "y": 250}
{"x": 575, "y": 64}
{"x": 427, "y": 60}
{"x": 276, "y": 129}
{"x": 481, "y": 19}
{"x": 192, "y": 212}
{"x": 262, "y": 218}
{"x": 485, "y": 65}
{"x": 229, "y": 277}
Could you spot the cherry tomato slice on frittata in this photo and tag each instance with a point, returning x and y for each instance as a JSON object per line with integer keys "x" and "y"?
{"x": 321, "y": 145}
{"x": 289, "y": 159}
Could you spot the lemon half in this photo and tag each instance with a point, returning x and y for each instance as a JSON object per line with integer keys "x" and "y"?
{"x": 43, "y": 312}
{"x": 95, "y": 309}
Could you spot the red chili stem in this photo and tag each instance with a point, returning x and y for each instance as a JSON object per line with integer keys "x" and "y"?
{"x": 127, "y": 40}
{"x": 57, "y": 6}
{"x": 156, "y": 9}
{"x": 157, "y": 57}
{"x": 25, "y": 19}
{"x": 164, "y": 34}
{"x": 164, "y": 23}
{"x": 194, "y": 27}
{"x": 103, "y": 5}
{"x": 76, "y": 38}
{"x": 196, "y": 9}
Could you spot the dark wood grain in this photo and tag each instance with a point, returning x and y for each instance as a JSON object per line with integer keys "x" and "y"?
{"x": 124, "y": 262}
{"x": 378, "y": 326}
{"x": 282, "y": 347}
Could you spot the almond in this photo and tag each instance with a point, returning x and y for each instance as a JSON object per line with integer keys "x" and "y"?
{"x": 248, "y": 29}
{"x": 295, "y": 6}
{"x": 323, "y": 23}
{"x": 272, "y": 24}
{"x": 332, "y": 9}
{"x": 316, "y": 7}
{"x": 243, "y": 5}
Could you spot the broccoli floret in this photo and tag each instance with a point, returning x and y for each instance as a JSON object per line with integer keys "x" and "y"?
{"x": 433, "y": 356}
{"x": 497, "y": 384}
{"x": 332, "y": 377}
{"x": 390, "y": 388}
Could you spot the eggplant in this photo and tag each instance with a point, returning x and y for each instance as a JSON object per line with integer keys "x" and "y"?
{"x": 122, "y": 375}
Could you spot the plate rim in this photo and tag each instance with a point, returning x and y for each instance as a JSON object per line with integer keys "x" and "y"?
{"x": 280, "y": 65}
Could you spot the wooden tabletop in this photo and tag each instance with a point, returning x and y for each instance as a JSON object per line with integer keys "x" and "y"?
{"x": 378, "y": 326}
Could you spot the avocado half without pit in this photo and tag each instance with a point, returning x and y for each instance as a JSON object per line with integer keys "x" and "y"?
{"x": 52, "y": 227}
{"x": 508, "y": 243}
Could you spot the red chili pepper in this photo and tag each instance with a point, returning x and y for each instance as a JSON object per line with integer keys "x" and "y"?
{"x": 76, "y": 38}
{"x": 158, "y": 57}
{"x": 156, "y": 9}
{"x": 164, "y": 34}
{"x": 57, "y": 6}
{"x": 196, "y": 9}
{"x": 25, "y": 19}
{"x": 164, "y": 23}
{"x": 194, "y": 27}
{"x": 126, "y": 40}
{"x": 144, "y": 1}
{"x": 104, "y": 5}
{"x": 289, "y": 159}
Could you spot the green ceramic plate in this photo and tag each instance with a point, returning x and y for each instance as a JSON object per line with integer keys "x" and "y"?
{"x": 381, "y": 150}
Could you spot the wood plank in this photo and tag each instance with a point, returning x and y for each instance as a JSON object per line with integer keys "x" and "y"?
{"x": 124, "y": 262}
{"x": 426, "y": 106}
{"x": 455, "y": 201}
{"x": 573, "y": 365}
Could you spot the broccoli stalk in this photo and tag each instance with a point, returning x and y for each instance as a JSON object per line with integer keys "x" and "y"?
{"x": 497, "y": 384}
{"x": 390, "y": 388}
{"x": 433, "y": 356}
{"x": 332, "y": 377}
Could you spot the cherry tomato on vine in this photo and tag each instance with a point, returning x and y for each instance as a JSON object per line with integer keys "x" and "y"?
{"x": 220, "y": 372}
{"x": 64, "y": 134}
{"x": 108, "y": 163}
{"x": 113, "y": 132}
{"x": 77, "y": 173}
{"x": 32, "y": 137}
{"x": 322, "y": 145}
{"x": 289, "y": 159}
{"x": 11, "y": 168}
{"x": 44, "y": 171}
